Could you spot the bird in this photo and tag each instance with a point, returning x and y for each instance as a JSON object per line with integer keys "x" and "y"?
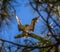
{"x": 26, "y": 29}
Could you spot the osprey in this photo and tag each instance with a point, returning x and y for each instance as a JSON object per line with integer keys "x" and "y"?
{"x": 26, "y": 29}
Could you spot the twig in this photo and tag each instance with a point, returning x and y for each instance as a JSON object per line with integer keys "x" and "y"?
{"x": 27, "y": 46}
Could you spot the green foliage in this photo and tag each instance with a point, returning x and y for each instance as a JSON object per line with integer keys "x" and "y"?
{"x": 53, "y": 5}
{"x": 6, "y": 10}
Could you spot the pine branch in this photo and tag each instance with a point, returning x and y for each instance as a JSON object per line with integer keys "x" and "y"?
{"x": 27, "y": 46}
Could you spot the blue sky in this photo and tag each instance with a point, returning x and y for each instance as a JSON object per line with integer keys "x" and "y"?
{"x": 25, "y": 13}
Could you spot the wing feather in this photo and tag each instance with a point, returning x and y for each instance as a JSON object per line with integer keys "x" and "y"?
{"x": 33, "y": 23}
{"x": 18, "y": 20}
{"x": 19, "y": 23}
{"x": 19, "y": 36}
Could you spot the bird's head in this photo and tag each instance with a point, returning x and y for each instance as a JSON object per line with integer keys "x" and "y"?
{"x": 26, "y": 25}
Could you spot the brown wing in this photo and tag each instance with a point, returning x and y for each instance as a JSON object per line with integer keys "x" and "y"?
{"x": 19, "y": 36}
{"x": 19, "y": 24}
{"x": 33, "y": 23}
